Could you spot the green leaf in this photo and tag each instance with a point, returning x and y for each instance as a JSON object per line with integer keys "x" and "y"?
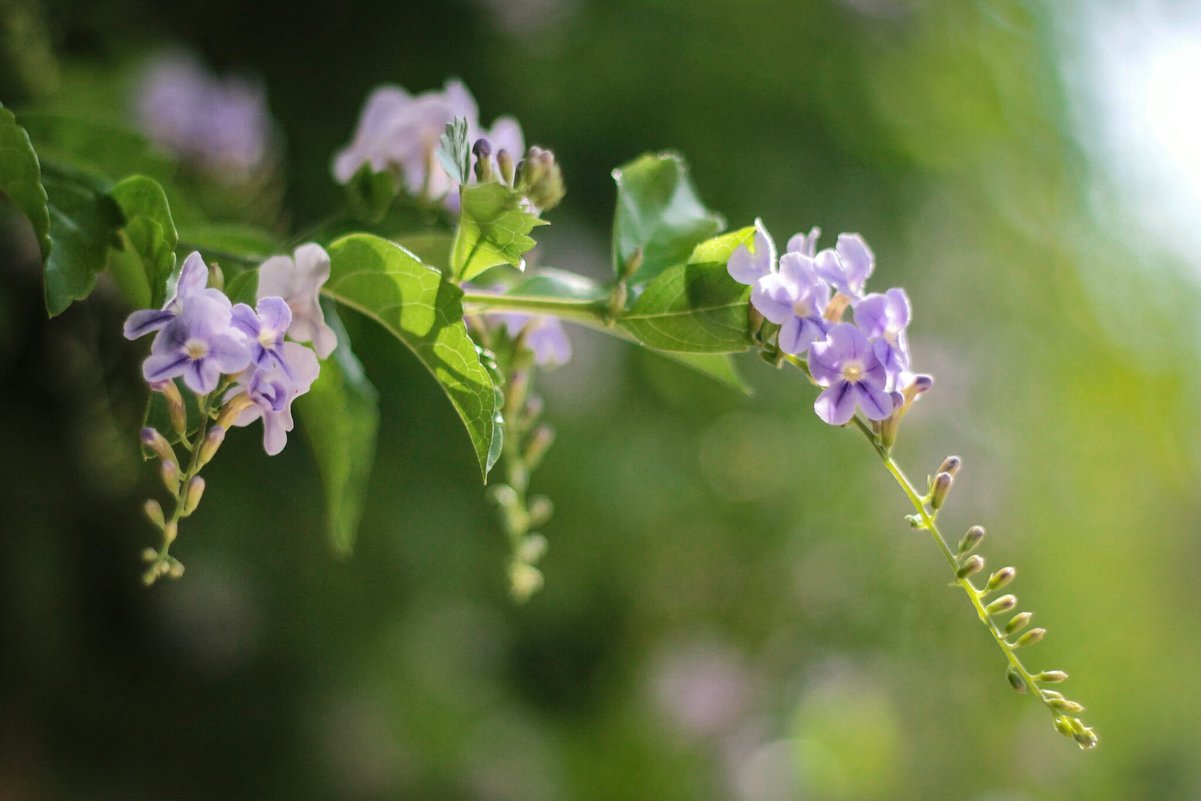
{"x": 432, "y": 247}
{"x": 391, "y": 286}
{"x": 21, "y": 178}
{"x": 243, "y": 287}
{"x": 83, "y": 223}
{"x": 93, "y": 146}
{"x": 371, "y": 193}
{"x": 493, "y": 230}
{"x": 692, "y": 308}
{"x": 150, "y": 231}
{"x": 659, "y": 214}
{"x": 720, "y": 248}
{"x": 340, "y": 418}
{"x": 718, "y": 366}
{"x": 454, "y": 151}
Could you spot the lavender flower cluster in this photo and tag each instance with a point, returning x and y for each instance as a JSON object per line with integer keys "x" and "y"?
{"x": 398, "y": 132}
{"x": 212, "y": 344}
{"x": 860, "y": 365}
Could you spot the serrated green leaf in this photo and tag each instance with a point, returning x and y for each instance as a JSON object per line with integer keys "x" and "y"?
{"x": 340, "y": 418}
{"x": 659, "y": 214}
{"x": 390, "y": 285}
{"x": 692, "y": 308}
{"x": 150, "y": 231}
{"x": 454, "y": 151}
{"x": 371, "y": 193}
{"x": 493, "y": 230}
{"x": 21, "y": 178}
{"x": 83, "y": 223}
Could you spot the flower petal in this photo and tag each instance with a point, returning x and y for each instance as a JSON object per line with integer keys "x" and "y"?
{"x": 141, "y": 323}
{"x": 836, "y": 405}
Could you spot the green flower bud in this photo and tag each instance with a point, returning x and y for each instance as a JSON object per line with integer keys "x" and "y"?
{"x": 1030, "y": 637}
{"x": 155, "y": 512}
{"x": 1064, "y": 705}
{"x": 170, "y": 532}
{"x": 208, "y": 448}
{"x": 940, "y": 490}
{"x": 971, "y": 566}
{"x": 524, "y": 580}
{"x": 971, "y": 539}
{"x": 157, "y": 444}
{"x": 540, "y": 509}
{"x": 482, "y": 150}
{"x": 149, "y": 555}
{"x": 193, "y": 494}
{"x": 504, "y": 163}
{"x": 175, "y": 407}
{"x": 1000, "y": 578}
{"x": 1086, "y": 739}
{"x": 1063, "y": 725}
{"x": 1002, "y": 604}
{"x": 539, "y": 443}
{"x": 171, "y": 477}
{"x": 533, "y": 548}
{"x": 1015, "y": 680}
{"x": 1051, "y": 676}
{"x": 1018, "y": 622}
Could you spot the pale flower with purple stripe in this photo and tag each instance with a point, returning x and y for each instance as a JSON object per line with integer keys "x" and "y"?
{"x": 845, "y": 364}
{"x": 747, "y": 265}
{"x": 193, "y": 280}
{"x": 805, "y": 244}
{"x": 200, "y": 345}
{"x": 264, "y": 329}
{"x": 272, "y": 392}
{"x": 298, "y": 280}
{"x": 793, "y": 298}
{"x": 883, "y": 320}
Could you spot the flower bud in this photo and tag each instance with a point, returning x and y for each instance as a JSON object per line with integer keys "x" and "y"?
{"x": 540, "y": 179}
{"x": 888, "y": 430}
{"x": 1000, "y": 578}
{"x": 208, "y": 448}
{"x": 149, "y": 555}
{"x": 1030, "y": 637}
{"x": 216, "y": 277}
{"x": 192, "y": 496}
{"x": 171, "y": 477}
{"x": 1086, "y": 738}
{"x": 1018, "y": 622}
{"x": 533, "y": 548}
{"x": 1051, "y": 676}
{"x": 175, "y": 568}
{"x": 1063, "y": 725}
{"x": 971, "y": 539}
{"x": 504, "y": 163}
{"x": 938, "y": 493}
{"x": 175, "y": 407}
{"x": 540, "y": 509}
{"x": 524, "y": 580}
{"x": 170, "y": 532}
{"x": 539, "y": 443}
{"x": 503, "y": 495}
{"x": 972, "y": 565}
{"x": 155, "y": 512}
{"x": 1064, "y": 705}
{"x": 1015, "y": 680}
{"x": 233, "y": 409}
{"x": 1002, "y": 604}
{"x": 951, "y": 465}
{"x": 157, "y": 443}
{"x": 920, "y": 385}
{"x": 633, "y": 263}
{"x": 150, "y": 576}
{"x": 482, "y": 150}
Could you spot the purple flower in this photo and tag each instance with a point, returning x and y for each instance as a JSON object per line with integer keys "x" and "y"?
{"x": 805, "y": 244}
{"x": 264, "y": 329}
{"x": 847, "y": 366}
{"x": 399, "y": 131}
{"x": 848, "y": 266}
{"x": 543, "y": 335}
{"x": 193, "y": 278}
{"x": 199, "y": 344}
{"x": 747, "y": 265}
{"x": 793, "y": 298}
{"x": 219, "y": 124}
{"x": 298, "y": 281}
{"x": 272, "y": 391}
{"x": 883, "y": 319}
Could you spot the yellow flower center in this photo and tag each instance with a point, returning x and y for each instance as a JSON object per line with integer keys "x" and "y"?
{"x": 852, "y": 371}
{"x": 196, "y": 349}
{"x": 266, "y": 337}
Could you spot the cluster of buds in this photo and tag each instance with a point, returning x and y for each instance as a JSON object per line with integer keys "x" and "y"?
{"x": 536, "y": 177}
{"x": 1014, "y": 633}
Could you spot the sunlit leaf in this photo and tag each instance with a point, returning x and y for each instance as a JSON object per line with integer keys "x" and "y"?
{"x": 692, "y": 308}
{"x": 150, "y": 233}
{"x": 387, "y": 283}
{"x": 493, "y": 230}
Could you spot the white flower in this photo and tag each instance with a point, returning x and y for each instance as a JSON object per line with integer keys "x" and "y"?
{"x": 298, "y": 281}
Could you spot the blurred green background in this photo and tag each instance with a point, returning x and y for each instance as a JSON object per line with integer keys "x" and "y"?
{"x": 734, "y": 607}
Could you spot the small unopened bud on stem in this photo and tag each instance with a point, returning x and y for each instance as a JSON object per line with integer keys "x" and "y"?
{"x": 940, "y": 490}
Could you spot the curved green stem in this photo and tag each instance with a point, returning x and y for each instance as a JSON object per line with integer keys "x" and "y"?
{"x": 575, "y": 310}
